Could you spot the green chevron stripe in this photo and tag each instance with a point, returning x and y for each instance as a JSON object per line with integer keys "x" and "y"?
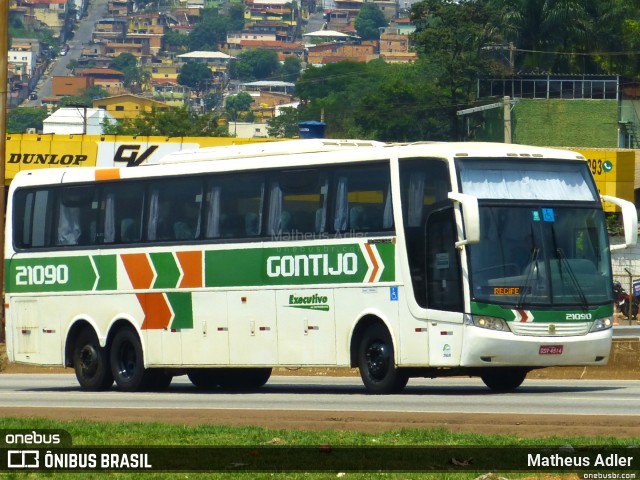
{"x": 166, "y": 269}
{"x": 182, "y": 308}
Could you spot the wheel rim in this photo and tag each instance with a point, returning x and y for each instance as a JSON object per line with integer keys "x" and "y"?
{"x": 127, "y": 360}
{"x": 377, "y": 357}
{"x": 89, "y": 361}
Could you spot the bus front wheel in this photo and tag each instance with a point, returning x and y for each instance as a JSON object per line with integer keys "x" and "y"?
{"x": 504, "y": 379}
{"x": 376, "y": 362}
{"x": 91, "y": 362}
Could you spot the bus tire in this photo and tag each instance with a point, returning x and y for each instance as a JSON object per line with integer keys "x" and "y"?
{"x": 376, "y": 362}
{"x": 157, "y": 379}
{"x": 504, "y": 379}
{"x": 245, "y": 378}
{"x": 127, "y": 361}
{"x": 91, "y": 362}
{"x": 204, "y": 378}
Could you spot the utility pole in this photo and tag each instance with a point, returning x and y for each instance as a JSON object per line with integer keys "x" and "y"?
{"x": 507, "y": 120}
{"x": 4, "y": 60}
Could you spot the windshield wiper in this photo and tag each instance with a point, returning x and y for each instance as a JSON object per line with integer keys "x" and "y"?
{"x": 563, "y": 261}
{"x": 572, "y": 277}
{"x": 533, "y": 268}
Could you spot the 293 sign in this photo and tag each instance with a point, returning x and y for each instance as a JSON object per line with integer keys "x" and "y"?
{"x": 596, "y": 166}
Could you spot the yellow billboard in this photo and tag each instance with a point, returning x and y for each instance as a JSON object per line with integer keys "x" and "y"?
{"x": 33, "y": 151}
{"x": 614, "y": 172}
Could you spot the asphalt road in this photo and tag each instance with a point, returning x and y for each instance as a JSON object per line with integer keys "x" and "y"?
{"x": 82, "y": 36}
{"x": 346, "y": 394}
{"x": 540, "y": 408}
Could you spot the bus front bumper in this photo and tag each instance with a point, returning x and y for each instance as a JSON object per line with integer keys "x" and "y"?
{"x": 487, "y": 348}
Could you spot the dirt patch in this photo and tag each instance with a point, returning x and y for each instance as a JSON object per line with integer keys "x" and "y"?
{"x": 519, "y": 425}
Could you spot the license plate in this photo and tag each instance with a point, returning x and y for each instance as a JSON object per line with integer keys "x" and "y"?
{"x": 550, "y": 349}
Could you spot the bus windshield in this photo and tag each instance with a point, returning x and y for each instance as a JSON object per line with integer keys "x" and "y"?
{"x": 534, "y": 255}
{"x": 543, "y": 234}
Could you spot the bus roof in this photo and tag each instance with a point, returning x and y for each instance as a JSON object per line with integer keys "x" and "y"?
{"x": 293, "y": 147}
{"x": 288, "y": 154}
{"x": 287, "y": 147}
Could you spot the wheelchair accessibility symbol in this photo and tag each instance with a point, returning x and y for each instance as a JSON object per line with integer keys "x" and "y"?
{"x": 393, "y": 291}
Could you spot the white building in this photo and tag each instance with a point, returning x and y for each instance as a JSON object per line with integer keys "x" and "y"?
{"x": 76, "y": 121}
{"x": 23, "y": 61}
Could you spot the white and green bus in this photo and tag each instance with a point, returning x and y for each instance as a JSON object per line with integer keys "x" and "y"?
{"x": 420, "y": 260}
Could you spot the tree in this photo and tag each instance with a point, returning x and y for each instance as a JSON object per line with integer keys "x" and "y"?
{"x": 406, "y": 106}
{"x": 85, "y": 100}
{"x": 128, "y": 65}
{"x": 209, "y": 32}
{"x": 317, "y": 83}
{"x": 237, "y": 104}
{"x": 23, "y": 118}
{"x": 332, "y": 91}
{"x": 175, "y": 41}
{"x": 285, "y": 125}
{"x": 259, "y": 64}
{"x": 236, "y": 17}
{"x": 452, "y": 38}
{"x": 613, "y": 27}
{"x": 540, "y": 27}
{"x": 369, "y": 21}
{"x": 195, "y": 75}
{"x": 291, "y": 68}
{"x": 179, "y": 122}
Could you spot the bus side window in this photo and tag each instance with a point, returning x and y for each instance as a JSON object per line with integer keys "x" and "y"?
{"x": 362, "y": 199}
{"x": 233, "y": 207}
{"x": 121, "y": 220}
{"x": 297, "y": 203}
{"x": 175, "y": 209}
{"x": 32, "y": 218}
{"x": 77, "y": 213}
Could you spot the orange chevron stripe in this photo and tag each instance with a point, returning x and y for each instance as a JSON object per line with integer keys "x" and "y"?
{"x": 157, "y": 314}
{"x": 376, "y": 267}
{"x": 107, "y": 174}
{"x": 191, "y": 264}
{"x": 138, "y": 269}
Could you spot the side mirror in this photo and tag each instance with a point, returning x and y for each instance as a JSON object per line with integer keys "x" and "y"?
{"x": 629, "y": 221}
{"x": 471, "y": 217}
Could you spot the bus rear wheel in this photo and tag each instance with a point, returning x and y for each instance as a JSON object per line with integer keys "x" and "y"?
{"x": 504, "y": 379}
{"x": 91, "y": 362}
{"x": 127, "y": 363}
{"x": 376, "y": 362}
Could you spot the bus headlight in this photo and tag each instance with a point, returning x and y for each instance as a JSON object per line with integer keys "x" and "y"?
{"x": 601, "y": 324}
{"x": 490, "y": 323}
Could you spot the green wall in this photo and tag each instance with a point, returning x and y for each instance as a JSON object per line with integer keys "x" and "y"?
{"x": 550, "y": 123}
{"x": 566, "y": 123}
